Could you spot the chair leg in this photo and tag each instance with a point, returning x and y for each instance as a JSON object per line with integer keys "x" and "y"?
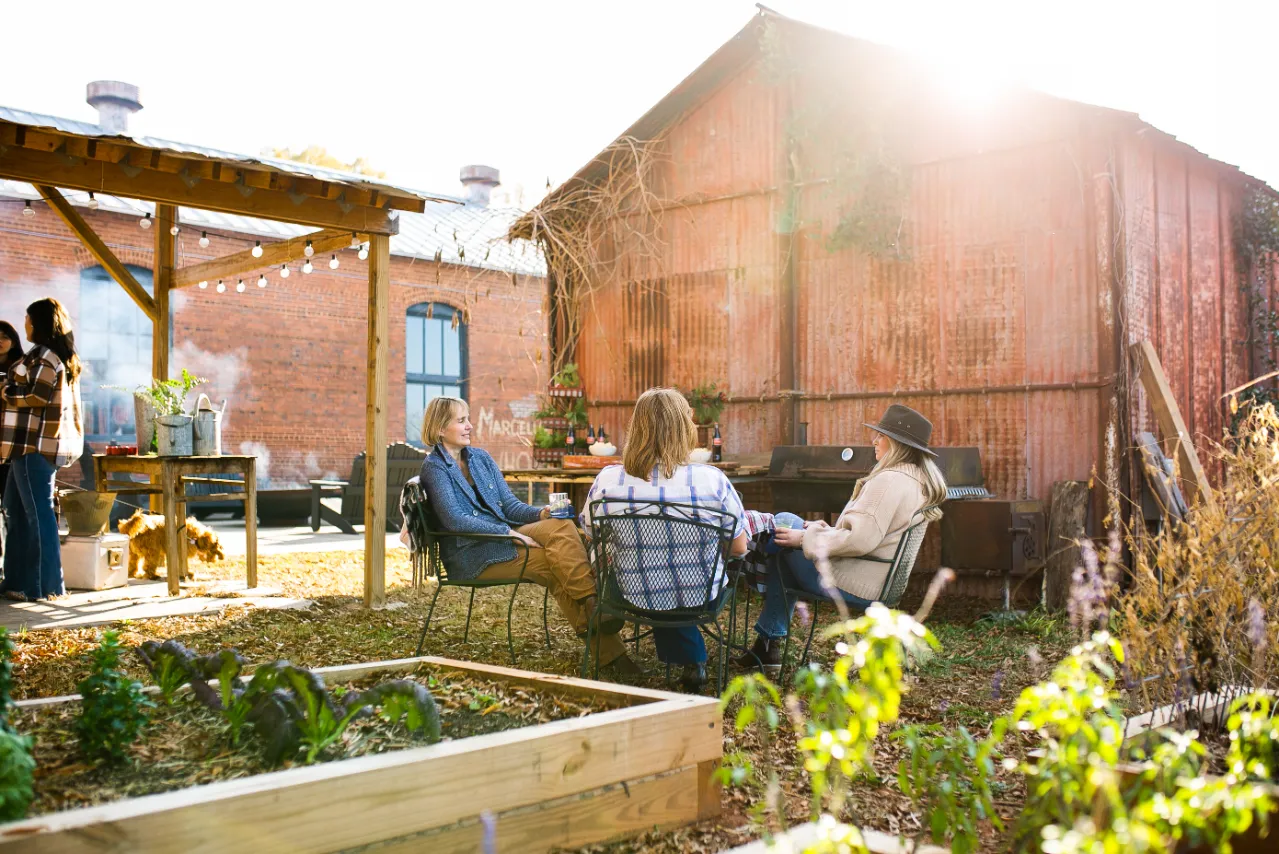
{"x": 466, "y": 632}
{"x": 546, "y": 628}
{"x": 510, "y": 643}
{"x": 430, "y": 612}
{"x": 812, "y": 629}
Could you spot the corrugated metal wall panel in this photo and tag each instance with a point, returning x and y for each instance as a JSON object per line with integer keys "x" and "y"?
{"x": 1206, "y": 344}
{"x": 1172, "y": 307}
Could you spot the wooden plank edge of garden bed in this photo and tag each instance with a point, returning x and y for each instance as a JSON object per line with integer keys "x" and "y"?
{"x": 626, "y": 695}
{"x": 310, "y": 807}
{"x": 657, "y": 802}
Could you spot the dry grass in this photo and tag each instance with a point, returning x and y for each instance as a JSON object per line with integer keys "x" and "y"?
{"x": 958, "y": 687}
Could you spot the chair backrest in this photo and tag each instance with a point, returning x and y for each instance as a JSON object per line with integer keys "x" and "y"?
{"x": 403, "y": 461}
{"x": 659, "y": 555}
{"x": 903, "y": 561}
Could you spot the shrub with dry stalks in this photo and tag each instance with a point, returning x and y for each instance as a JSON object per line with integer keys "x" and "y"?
{"x": 1201, "y": 611}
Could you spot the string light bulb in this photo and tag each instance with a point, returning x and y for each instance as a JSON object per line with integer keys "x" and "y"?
{"x": 364, "y": 252}
{"x": 221, "y": 287}
{"x": 355, "y": 241}
{"x": 307, "y": 268}
{"x": 27, "y": 211}
{"x": 309, "y": 250}
{"x": 204, "y": 285}
{"x": 257, "y": 249}
{"x": 284, "y": 271}
{"x": 174, "y": 229}
{"x": 145, "y": 222}
{"x": 262, "y": 281}
{"x": 333, "y": 263}
{"x": 93, "y": 203}
{"x": 239, "y": 286}
{"x": 204, "y": 240}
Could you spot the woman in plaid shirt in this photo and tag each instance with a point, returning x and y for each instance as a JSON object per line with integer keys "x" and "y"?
{"x": 41, "y": 430}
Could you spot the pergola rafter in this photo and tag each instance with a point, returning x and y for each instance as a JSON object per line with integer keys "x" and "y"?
{"x": 344, "y": 206}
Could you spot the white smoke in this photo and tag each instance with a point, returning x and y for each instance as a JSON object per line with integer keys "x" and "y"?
{"x": 285, "y": 469}
{"x": 223, "y": 372}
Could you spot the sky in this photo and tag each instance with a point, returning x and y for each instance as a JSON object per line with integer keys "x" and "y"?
{"x": 423, "y": 88}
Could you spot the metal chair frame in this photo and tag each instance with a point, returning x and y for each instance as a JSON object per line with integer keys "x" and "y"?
{"x": 609, "y": 598}
{"x": 424, "y": 549}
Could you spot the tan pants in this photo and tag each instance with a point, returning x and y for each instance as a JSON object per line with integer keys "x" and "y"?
{"x": 562, "y": 567}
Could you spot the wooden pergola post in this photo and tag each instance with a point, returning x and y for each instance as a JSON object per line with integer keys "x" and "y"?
{"x": 166, "y": 216}
{"x": 375, "y": 422}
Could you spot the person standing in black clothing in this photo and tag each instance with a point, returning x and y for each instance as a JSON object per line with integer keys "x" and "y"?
{"x": 10, "y": 354}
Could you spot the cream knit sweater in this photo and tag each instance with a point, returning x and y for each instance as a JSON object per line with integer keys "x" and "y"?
{"x": 871, "y": 524}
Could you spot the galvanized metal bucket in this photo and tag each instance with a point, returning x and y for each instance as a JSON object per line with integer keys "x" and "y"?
{"x": 174, "y": 436}
{"x": 144, "y": 422}
{"x": 207, "y": 428}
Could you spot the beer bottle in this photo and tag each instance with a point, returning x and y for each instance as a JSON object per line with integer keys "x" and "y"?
{"x": 570, "y": 438}
{"x": 717, "y": 446}
{"x": 590, "y": 435}
{"x": 603, "y": 435}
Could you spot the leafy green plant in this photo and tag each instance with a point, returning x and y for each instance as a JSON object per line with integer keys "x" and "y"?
{"x": 403, "y": 699}
{"x": 113, "y": 710}
{"x": 17, "y": 766}
{"x": 708, "y": 402}
{"x": 543, "y": 438}
{"x": 231, "y": 698}
{"x": 320, "y": 721}
{"x": 948, "y": 778}
{"x": 1254, "y": 738}
{"x": 168, "y": 397}
{"x": 567, "y": 376}
{"x": 171, "y": 664}
{"x": 1079, "y": 796}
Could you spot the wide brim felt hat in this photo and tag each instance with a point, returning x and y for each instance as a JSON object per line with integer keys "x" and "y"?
{"x": 906, "y": 426}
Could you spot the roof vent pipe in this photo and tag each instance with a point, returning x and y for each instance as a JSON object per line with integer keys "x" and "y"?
{"x": 115, "y": 102}
{"x": 479, "y": 182}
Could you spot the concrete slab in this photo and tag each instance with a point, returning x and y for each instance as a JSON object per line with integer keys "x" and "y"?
{"x": 284, "y": 540}
{"x": 140, "y": 599}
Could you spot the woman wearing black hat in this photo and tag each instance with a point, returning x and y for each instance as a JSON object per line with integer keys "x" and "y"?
{"x": 904, "y": 482}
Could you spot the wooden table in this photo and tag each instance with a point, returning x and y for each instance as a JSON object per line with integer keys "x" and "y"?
{"x": 583, "y": 478}
{"x": 168, "y": 477}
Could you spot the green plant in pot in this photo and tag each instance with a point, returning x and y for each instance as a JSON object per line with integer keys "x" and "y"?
{"x": 708, "y": 403}
{"x": 567, "y": 377}
{"x": 160, "y": 410}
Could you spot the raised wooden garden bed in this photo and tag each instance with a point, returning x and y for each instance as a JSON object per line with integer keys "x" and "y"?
{"x": 1213, "y": 708}
{"x": 645, "y": 762}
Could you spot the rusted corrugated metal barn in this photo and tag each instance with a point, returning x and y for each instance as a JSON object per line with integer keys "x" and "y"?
{"x": 1020, "y": 251}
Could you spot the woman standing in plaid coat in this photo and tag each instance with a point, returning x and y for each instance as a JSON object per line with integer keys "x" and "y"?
{"x": 41, "y": 430}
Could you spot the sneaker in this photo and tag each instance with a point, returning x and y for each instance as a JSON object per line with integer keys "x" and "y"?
{"x": 765, "y": 655}
{"x": 693, "y": 677}
{"x": 624, "y": 666}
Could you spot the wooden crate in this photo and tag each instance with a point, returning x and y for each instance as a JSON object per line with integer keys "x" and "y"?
{"x": 646, "y": 763}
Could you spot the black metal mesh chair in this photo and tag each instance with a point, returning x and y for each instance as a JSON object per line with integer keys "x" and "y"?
{"x": 424, "y": 551}
{"x": 900, "y": 567}
{"x": 662, "y": 564}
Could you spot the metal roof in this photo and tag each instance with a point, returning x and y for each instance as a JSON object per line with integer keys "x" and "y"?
{"x": 449, "y": 229}
{"x": 87, "y": 129}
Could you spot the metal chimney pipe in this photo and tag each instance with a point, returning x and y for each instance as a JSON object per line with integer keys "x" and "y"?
{"x": 479, "y": 182}
{"x": 115, "y": 102}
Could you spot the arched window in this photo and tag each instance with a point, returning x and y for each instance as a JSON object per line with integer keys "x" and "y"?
{"x": 113, "y": 338}
{"x": 435, "y": 361}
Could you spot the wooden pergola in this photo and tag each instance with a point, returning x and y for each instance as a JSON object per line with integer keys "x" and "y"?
{"x": 342, "y": 206}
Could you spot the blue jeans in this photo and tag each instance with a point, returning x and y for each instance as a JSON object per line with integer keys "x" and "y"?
{"x": 789, "y": 568}
{"x": 32, "y": 555}
{"x": 679, "y": 646}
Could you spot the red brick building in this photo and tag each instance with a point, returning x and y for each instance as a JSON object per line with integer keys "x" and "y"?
{"x": 289, "y": 357}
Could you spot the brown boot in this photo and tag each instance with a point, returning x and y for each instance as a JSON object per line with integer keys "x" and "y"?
{"x": 765, "y": 656}
{"x": 600, "y": 623}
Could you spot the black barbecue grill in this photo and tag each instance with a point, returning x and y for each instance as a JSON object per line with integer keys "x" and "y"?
{"x": 978, "y": 530}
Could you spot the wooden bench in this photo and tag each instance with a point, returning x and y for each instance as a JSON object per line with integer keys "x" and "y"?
{"x": 403, "y": 461}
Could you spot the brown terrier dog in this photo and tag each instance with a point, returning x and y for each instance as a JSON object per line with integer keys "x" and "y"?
{"x": 146, "y": 543}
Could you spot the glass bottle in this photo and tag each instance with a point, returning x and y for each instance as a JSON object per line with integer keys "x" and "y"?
{"x": 717, "y": 446}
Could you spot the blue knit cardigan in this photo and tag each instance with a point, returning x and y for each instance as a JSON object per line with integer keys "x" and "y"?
{"x": 488, "y": 508}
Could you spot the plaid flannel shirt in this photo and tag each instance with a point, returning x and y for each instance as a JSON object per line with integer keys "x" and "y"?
{"x": 662, "y": 586}
{"x": 41, "y": 411}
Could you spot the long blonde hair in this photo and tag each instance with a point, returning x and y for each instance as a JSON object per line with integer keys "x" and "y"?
{"x": 440, "y": 412}
{"x": 904, "y": 455}
{"x": 662, "y": 434}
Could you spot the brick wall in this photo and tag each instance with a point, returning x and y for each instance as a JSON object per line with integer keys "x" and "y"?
{"x": 291, "y": 357}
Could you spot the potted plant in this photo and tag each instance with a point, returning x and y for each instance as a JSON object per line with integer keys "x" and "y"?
{"x": 548, "y": 445}
{"x": 566, "y": 382}
{"x": 708, "y": 403}
{"x": 160, "y": 411}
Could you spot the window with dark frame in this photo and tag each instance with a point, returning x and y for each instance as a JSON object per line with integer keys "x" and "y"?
{"x": 113, "y": 339}
{"x": 435, "y": 361}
